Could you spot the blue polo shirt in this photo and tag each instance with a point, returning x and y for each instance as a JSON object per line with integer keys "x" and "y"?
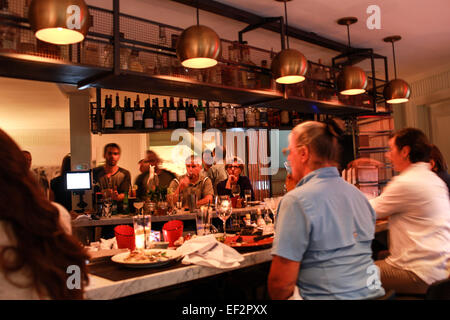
{"x": 328, "y": 225}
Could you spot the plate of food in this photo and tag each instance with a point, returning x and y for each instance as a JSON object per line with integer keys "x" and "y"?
{"x": 249, "y": 242}
{"x": 146, "y": 258}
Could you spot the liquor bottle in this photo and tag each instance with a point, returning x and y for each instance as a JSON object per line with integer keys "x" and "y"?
{"x": 212, "y": 115}
{"x": 276, "y": 118}
{"x": 250, "y": 118}
{"x": 285, "y": 119}
{"x": 165, "y": 115}
{"x": 296, "y": 119}
{"x": 182, "y": 123}
{"x": 137, "y": 114}
{"x": 257, "y": 117}
{"x": 158, "y": 115}
{"x": 263, "y": 119}
{"x": 200, "y": 114}
{"x": 222, "y": 116}
{"x": 98, "y": 118}
{"x": 109, "y": 114}
{"x": 173, "y": 118}
{"x": 128, "y": 114}
{"x": 270, "y": 117}
{"x": 126, "y": 207}
{"x": 240, "y": 117}
{"x": 118, "y": 114}
{"x": 148, "y": 115}
{"x": 190, "y": 115}
{"x": 230, "y": 116}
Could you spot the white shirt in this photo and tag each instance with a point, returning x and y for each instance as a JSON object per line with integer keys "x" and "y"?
{"x": 418, "y": 207}
{"x": 9, "y": 291}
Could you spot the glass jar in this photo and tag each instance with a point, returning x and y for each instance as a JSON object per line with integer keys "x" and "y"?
{"x": 133, "y": 62}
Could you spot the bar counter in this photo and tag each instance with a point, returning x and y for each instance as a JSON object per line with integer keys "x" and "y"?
{"x": 101, "y": 288}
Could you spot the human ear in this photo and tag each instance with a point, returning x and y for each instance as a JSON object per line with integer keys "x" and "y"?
{"x": 405, "y": 152}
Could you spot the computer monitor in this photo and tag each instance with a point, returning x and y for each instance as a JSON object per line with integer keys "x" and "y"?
{"x": 78, "y": 180}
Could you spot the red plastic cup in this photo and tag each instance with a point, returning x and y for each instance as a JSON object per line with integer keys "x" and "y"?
{"x": 125, "y": 237}
{"x": 172, "y": 231}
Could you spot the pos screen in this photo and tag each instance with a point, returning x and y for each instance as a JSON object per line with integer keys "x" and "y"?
{"x": 78, "y": 180}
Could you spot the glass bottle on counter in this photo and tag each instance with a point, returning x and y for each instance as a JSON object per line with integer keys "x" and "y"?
{"x": 190, "y": 115}
{"x": 200, "y": 114}
{"x": 173, "y": 118}
{"x": 230, "y": 116}
{"x": 118, "y": 114}
{"x": 157, "y": 114}
{"x": 285, "y": 120}
{"x": 240, "y": 117}
{"x": 263, "y": 118}
{"x": 296, "y": 119}
{"x": 149, "y": 121}
{"x": 213, "y": 120}
{"x": 109, "y": 114}
{"x": 128, "y": 114}
{"x": 182, "y": 122}
{"x": 137, "y": 114}
{"x": 165, "y": 115}
{"x": 276, "y": 118}
{"x": 251, "y": 121}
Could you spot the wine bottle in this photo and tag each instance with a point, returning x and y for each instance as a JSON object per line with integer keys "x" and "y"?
{"x": 207, "y": 114}
{"x": 118, "y": 114}
{"x": 158, "y": 115}
{"x": 263, "y": 120}
{"x": 200, "y": 113}
{"x": 285, "y": 120}
{"x": 173, "y": 117}
{"x": 276, "y": 118}
{"x": 190, "y": 115}
{"x": 251, "y": 121}
{"x": 137, "y": 114}
{"x": 128, "y": 114}
{"x": 165, "y": 115}
{"x": 148, "y": 115}
{"x": 240, "y": 117}
{"x": 109, "y": 114}
{"x": 230, "y": 116}
{"x": 182, "y": 123}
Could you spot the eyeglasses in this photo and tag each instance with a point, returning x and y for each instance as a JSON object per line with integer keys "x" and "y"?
{"x": 233, "y": 167}
{"x": 286, "y": 151}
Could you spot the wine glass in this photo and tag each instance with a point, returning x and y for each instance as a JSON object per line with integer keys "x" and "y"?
{"x": 224, "y": 209}
{"x": 138, "y": 205}
{"x": 272, "y": 204}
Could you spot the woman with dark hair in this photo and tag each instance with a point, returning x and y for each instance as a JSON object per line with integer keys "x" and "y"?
{"x": 58, "y": 191}
{"x": 417, "y": 205}
{"x": 324, "y": 227}
{"x": 234, "y": 170}
{"x": 439, "y": 166}
{"x": 36, "y": 247}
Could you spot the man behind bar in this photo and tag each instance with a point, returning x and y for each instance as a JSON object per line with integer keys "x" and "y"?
{"x": 192, "y": 183}
{"x": 110, "y": 176}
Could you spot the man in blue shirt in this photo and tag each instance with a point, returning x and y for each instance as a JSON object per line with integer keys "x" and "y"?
{"x": 324, "y": 227}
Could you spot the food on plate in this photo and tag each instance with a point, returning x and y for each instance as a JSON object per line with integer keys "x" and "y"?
{"x": 146, "y": 256}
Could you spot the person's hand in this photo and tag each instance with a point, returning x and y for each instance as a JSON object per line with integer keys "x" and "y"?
{"x": 184, "y": 183}
{"x": 233, "y": 179}
{"x": 364, "y": 162}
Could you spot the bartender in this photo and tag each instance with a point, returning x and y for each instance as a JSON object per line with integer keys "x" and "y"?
{"x": 193, "y": 182}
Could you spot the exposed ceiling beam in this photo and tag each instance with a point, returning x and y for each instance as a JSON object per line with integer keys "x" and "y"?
{"x": 251, "y": 18}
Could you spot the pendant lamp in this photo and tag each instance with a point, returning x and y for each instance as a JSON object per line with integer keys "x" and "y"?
{"x": 289, "y": 65}
{"x": 352, "y": 80}
{"x": 397, "y": 90}
{"x": 59, "y": 21}
{"x": 198, "y": 47}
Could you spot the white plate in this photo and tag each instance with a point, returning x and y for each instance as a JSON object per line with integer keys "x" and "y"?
{"x": 171, "y": 254}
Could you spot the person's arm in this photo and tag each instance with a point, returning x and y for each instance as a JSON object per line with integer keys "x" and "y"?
{"x": 207, "y": 192}
{"x": 395, "y": 199}
{"x": 282, "y": 279}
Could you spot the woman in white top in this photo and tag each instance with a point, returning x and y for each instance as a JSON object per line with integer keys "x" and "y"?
{"x": 417, "y": 204}
{"x": 36, "y": 247}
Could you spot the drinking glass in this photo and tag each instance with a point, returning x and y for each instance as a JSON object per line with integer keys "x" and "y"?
{"x": 236, "y": 190}
{"x": 272, "y": 205}
{"x": 107, "y": 207}
{"x": 142, "y": 230}
{"x": 247, "y": 196}
{"x": 138, "y": 205}
{"x": 224, "y": 209}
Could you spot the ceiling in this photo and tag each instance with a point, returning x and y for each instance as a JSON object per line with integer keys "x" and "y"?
{"x": 423, "y": 25}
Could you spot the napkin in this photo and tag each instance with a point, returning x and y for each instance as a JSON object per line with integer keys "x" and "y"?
{"x": 108, "y": 244}
{"x": 207, "y": 251}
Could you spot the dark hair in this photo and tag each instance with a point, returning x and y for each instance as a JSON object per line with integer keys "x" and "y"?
{"x": 417, "y": 141}
{"x": 111, "y": 145}
{"x": 39, "y": 242}
{"x": 157, "y": 158}
{"x": 323, "y": 138}
{"x": 66, "y": 165}
{"x": 439, "y": 161}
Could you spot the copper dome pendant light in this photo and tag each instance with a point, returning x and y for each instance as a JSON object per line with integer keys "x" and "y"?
{"x": 59, "y": 22}
{"x": 352, "y": 80}
{"x": 289, "y": 65}
{"x": 198, "y": 47}
{"x": 397, "y": 90}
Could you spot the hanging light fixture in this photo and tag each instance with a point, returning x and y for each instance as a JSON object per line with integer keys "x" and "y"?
{"x": 397, "y": 90}
{"x": 289, "y": 65}
{"x": 352, "y": 80}
{"x": 59, "y": 21}
{"x": 198, "y": 46}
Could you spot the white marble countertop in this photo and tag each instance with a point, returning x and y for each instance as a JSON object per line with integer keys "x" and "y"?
{"x": 104, "y": 289}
